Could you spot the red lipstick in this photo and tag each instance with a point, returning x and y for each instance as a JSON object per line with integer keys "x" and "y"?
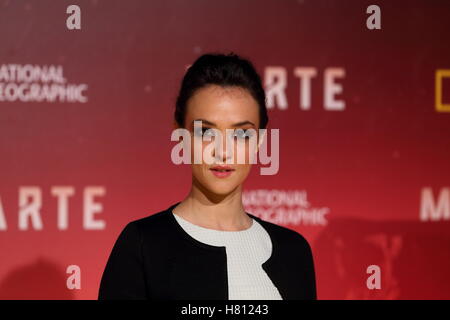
{"x": 221, "y": 171}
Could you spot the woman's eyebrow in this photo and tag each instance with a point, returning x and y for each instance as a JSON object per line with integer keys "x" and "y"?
{"x": 238, "y": 124}
{"x": 243, "y": 123}
{"x": 204, "y": 122}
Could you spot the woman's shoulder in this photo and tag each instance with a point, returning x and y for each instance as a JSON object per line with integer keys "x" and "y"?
{"x": 284, "y": 235}
{"x": 153, "y": 223}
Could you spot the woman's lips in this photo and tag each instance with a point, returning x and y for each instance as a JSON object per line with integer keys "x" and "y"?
{"x": 221, "y": 173}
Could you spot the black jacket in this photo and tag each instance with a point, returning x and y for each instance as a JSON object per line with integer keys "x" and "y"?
{"x": 155, "y": 258}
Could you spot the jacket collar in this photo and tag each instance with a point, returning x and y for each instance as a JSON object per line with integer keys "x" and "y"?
{"x": 269, "y": 227}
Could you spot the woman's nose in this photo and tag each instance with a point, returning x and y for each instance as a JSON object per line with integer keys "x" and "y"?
{"x": 224, "y": 147}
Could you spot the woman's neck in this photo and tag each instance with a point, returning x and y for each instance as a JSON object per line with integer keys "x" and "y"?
{"x": 217, "y": 212}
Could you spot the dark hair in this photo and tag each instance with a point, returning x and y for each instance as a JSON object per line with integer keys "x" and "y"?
{"x": 225, "y": 70}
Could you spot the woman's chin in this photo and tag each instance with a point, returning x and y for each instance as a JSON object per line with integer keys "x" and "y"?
{"x": 221, "y": 190}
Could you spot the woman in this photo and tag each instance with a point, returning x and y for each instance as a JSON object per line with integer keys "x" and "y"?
{"x": 206, "y": 246}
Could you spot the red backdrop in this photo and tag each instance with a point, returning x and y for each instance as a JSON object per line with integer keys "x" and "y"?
{"x": 368, "y": 184}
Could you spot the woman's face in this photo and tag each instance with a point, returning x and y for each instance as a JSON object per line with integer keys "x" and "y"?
{"x": 222, "y": 108}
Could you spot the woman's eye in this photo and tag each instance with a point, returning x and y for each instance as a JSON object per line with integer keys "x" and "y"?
{"x": 242, "y": 134}
{"x": 203, "y": 132}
